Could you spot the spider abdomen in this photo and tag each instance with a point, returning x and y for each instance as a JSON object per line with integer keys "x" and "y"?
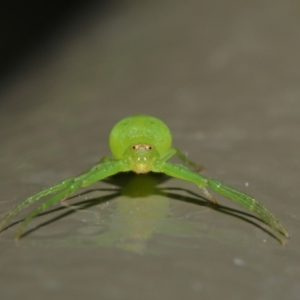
{"x": 139, "y": 130}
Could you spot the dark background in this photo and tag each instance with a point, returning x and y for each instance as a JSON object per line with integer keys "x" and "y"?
{"x": 28, "y": 27}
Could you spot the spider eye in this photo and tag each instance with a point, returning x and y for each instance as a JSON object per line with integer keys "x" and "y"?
{"x": 141, "y": 147}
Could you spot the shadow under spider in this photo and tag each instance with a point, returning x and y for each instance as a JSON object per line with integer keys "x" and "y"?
{"x": 139, "y": 186}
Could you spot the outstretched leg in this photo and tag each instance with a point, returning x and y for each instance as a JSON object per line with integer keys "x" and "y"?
{"x": 252, "y": 205}
{"x": 184, "y": 173}
{"x": 239, "y": 197}
{"x": 66, "y": 188}
{"x": 175, "y": 151}
{"x": 188, "y": 162}
{"x": 51, "y": 190}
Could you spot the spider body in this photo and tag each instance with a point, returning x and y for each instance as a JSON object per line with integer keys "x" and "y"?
{"x": 139, "y": 130}
{"x": 143, "y": 144}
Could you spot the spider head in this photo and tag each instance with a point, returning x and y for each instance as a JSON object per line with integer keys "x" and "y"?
{"x": 141, "y": 157}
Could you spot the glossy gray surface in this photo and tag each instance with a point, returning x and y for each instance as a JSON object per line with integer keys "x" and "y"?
{"x": 225, "y": 77}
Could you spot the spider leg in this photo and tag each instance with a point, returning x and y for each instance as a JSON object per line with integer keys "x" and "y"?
{"x": 253, "y": 205}
{"x": 209, "y": 196}
{"x": 175, "y": 151}
{"x": 65, "y": 193}
{"x": 35, "y": 197}
{"x": 188, "y": 162}
{"x": 184, "y": 173}
{"x": 96, "y": 173}
{"x": 248, "y": 202}
{"x": 106, "y": 159}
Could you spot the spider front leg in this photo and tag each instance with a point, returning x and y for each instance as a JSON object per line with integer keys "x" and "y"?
{"x": 248, "y": 202}
{"x": 252, "y": 205}
{"x": 188, "y": 175}
{"x": 35, "y": 197}
{"x": 96, "y": 173}
{"x": 183, "y": 157}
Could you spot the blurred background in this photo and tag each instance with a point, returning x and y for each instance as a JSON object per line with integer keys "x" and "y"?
{"x": 223, "y": 75}
{"x": 31, "y": 26}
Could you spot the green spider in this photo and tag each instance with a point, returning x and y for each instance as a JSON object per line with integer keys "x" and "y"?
{"x": 142, "y": 144}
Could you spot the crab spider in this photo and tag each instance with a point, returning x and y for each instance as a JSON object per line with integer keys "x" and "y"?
{"x": 143, "y": 144}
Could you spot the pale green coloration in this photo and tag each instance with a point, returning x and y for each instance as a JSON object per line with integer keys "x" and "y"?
{"x": 133, "y": 130}
{"x": 142, "y": 144}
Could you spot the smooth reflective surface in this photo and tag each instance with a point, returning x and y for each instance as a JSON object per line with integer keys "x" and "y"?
{"x": 134, "y": 215}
